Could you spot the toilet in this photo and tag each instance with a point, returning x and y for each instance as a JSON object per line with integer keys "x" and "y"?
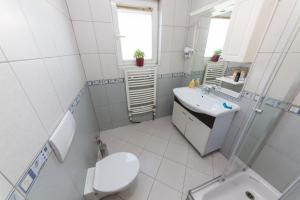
{"x": 112, "y": 174}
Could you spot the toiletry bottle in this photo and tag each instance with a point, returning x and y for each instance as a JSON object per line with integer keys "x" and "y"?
{"x": 192, "y": 83}
{"x": 237, "y": 77}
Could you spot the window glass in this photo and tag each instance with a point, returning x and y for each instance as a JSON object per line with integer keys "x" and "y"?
{"x": 216, "y": 35}
{"x": 135, "y": 27}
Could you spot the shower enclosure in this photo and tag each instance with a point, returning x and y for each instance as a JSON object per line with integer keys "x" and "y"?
{"x": 269, "y": 142}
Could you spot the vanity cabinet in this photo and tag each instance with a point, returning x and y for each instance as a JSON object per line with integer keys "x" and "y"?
{"x": 248, "y": 23}
{"x": 205, "y": 133}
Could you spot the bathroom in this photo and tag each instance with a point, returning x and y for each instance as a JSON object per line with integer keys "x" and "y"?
{"x": 213, "y": 114}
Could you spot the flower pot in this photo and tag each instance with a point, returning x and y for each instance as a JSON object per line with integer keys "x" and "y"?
{"x": 215, "y": 58}
{"x": 140, "y": 62}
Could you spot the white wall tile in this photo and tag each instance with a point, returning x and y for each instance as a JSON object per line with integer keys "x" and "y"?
{"x": 285, "y": 84}
{"x": 5, "y": 187}
{"x": 167, "y": 38}
{"x": 2, "y": 57}
{"x": 297, "y": 100}
{"x": 60, "y": 5}
{"x": 268, "y": 72}
{"x": 64, "y": 35}
{"x": 283, "y": 170}
{"x": 35, "y": 80}
{"x": 296, "y": 44}
{"x": 176, "y": 62}
{"x": 60, "y": 82}
{"x": 285, "y": 38}
{"x": 285, "y": 136}
{"x": 105, "y": 37}
{"x": 92, "y": 66}
{"x": 179, "y": 38}
{"x": 85, "y": 36}
{"x": 35, "y": 13}
{"x": 164, "y": 66}
{"x": 101, "y": 10}
{"x": 79, "y": 9}
{"x": 74, "y": 73}
{"x": 257, "y": 70}
{"x": 109, "y": 66}
{"x": 167, "y": 12}
{"x": 182, "y": 8}
{"x": 21, "y": 132}
{"x": 277, "y": 25}
{"x": 16, "y": 39}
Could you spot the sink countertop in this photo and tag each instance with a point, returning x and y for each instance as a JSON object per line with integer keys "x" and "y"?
{"x": 197, "y": 101}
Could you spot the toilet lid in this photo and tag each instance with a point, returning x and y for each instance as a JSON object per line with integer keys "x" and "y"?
{"x": 115, "y": 172}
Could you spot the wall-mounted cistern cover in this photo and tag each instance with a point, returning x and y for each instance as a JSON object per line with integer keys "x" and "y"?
{"x": 63, "y": 135}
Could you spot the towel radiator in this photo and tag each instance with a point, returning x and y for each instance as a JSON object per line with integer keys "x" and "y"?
{"x": 214, "y": 70}
{"x": 141, "y": 91}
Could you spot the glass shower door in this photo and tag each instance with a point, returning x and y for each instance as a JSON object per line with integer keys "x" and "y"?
{"x": 270, "y": 141}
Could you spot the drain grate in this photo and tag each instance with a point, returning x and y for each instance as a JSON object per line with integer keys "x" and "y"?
{"x": 249, "y": 195}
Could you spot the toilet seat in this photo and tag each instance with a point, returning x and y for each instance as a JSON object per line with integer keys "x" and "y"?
{"x": 115, "y": 172}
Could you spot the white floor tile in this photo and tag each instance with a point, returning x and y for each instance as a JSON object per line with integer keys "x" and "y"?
{"x": 122, "y": 133}
{"x": 115, "y": 146}
{"x": 163, "y": 128}
{"x": 203, "y": 165}
{"x": 139, "y": 138}
{"x": 157, "y": 145}
{"x": 219, "y": 163}
{"x": 172, "y": 174}
{"x": 178, "y": 138}
{"x": 139, "y": 190}
{"x": 143, "y": 126}
{"x": 193, "y": 179}
{"x": 149, "y": 163}
{"x": 131, "y": 148}
{"x": 161, "y": 191}
{"x": 177, "y": 152}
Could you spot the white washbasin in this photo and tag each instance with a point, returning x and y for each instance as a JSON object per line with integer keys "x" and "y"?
{"x": 195, "y": 100}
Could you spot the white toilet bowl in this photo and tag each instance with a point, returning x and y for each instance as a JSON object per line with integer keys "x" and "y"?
{"x": 112, "y": 174}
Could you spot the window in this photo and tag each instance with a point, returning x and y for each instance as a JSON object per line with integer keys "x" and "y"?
{"x": 216, "y": 35}
{"x": 136, "y": 27}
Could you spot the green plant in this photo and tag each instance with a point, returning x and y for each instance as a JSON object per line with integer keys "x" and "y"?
{"x": 218, "y": 52}
{"x": 138, "y": 54}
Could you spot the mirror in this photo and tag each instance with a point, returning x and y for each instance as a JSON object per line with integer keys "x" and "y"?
{"x": 207, "y": 35}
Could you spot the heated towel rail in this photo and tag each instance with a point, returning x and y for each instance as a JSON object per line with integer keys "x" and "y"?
{"x": 214, "y": 70}
{"x": 141, "y": 91}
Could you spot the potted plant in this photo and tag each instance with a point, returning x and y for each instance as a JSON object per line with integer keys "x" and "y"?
{"x": 139, "y": 57}
{"x": 216, "y": 56}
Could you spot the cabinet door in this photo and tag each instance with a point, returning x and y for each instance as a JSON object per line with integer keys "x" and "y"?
{"x": 197, "y": 133}
{"x": 243, "y": 39}
{"x": 179, "y": 118}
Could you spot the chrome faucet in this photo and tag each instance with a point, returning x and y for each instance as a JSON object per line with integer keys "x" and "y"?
{"x": 205, "y": 89}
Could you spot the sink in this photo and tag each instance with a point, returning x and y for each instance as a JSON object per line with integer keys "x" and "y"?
{"x": 210, "y": 104}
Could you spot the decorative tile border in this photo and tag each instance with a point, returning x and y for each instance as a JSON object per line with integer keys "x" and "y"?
{"x": 121, "y": 80}
{"x": 275, "y": 103}
{"x": 77, "y": 99}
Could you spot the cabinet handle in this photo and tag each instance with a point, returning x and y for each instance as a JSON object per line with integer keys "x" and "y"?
{"x": 191, "y": 119}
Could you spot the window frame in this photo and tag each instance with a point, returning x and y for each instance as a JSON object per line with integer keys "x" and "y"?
{"x": 137, "y": 3}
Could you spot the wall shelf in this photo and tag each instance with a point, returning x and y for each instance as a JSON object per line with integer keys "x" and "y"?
{"x": 228, "y": 79}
